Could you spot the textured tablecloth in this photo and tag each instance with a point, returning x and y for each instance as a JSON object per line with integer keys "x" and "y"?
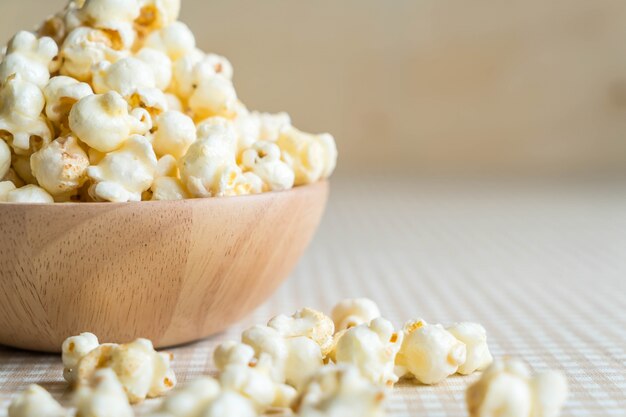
{"x": 542, "y": 267}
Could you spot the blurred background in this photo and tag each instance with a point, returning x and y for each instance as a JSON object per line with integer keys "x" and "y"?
{"x": 436, "y": 88}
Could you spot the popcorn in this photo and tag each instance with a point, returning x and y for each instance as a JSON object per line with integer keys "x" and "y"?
{"x": 29, "y": 194}
{"x": 141, "y": 370}
{"x": 21, "y": 104}
{"x": 213, "y": 96}
{"x": 196, "y": 66}
{"x": 209, "y": 168}
{"x": 373, "y": 349}
{"x": 475, "y": 338}
{"x": 263, "y": 159}
{"x": 175, "y": 132}
{"x": 152, "y": 100}
{"x": 61, "y": 93}
{"x": 5, "y": 188}
{"x": 340, "y": 391}
{"x": 102, "y": 121}
{"x": 329, "y": 148}
{"x": 429, "y": 352}
{"x": 61, "y": 166}
{"x": 85, "y": 47}
{"x": 159, "y": 63}
{"x": 506, "y": 389}
{"x": 308, "y": 323}
{"x": 354, "y": 311}
{"x": 101, "y": 13}
{"x": 229, "y": 403}
{"x": 28, "y": 57}
{"x": 190, "y": 400}
{"x": 124, "y": 76}
{"x": 155, "y": 14}
{"x": 304, "y": 154}
{"x": 123, "y": 175}
{"x": 176, "y": 40}
{"x": 36, "y": 402}
{"x": 103, "y": 397}
{"x": 294, "y": 359}
{"x": 5, "y": 158}
{"x": 73, "y": 350}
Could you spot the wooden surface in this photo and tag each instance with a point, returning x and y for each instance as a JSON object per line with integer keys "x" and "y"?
{"x": 169, "y": 271}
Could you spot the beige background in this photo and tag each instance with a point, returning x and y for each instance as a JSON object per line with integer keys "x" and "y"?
{"x": 427, "y": 86}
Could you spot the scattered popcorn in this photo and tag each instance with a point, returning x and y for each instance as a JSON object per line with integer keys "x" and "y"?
{"x": 21, "y": 122}
{"x": 429, "y": 352}
{"x": 229, "y": 403}
{"x": 99, "y": 72}
{"x": 191, "y": 400}
{"x": 308, "y": 323}
{"x": 340, "y": 391}
{"x": 143, "y": 372}
{"x": 104, "y": 396}
{"x": 36, "y": 402}
{"x": 506, "y": 389}
{"x": 123, "y": 175}
{"x": 73, "y": 350}
{"x": 61, "y": 166}
{"x": 263, "y": 159}
{"x": 61, "y": 93}
{"x": 5, "y": 188}
{"x": 372, "y": 348}
{"x": 29, "y": 58}
{"x": 475, "y": 338}
{"x": 102, "y": 121}
{"x": 354, "y": 311}
{"x": 29, "y": 194}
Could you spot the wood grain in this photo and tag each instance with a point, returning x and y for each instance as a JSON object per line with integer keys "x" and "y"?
{"x": 169, "y": 271}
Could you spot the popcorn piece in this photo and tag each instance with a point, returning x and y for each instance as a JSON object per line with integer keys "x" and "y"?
{"x": 229, "y": 403}
{"x": 123, "y": 175}
{"x": 85, "y": 47}
{"x": 160, "y": 65}
{"x": 253, "y": 182}
{"x": 61, "y": 93}
{"x": 155, "y": 14}
{"x": 233, "y": 353}
{"x": 373, "y": 349}
{"x": 340, "y": 391}
{"x": 294, "y": 359}
{"x": 506, "y": 389}
{"x": 21, "y": 104}
{"x": 176, "y": 40}
{"x": 29, "y": 58}
{"x": 152, "y": 100}
{"x": 175, "y": 132}
{"x": 209, "y": 167}
{"x": 29, "y": 194}
{"x": 213, "y": 96}
{"x": 255, "y": 126}
{"x": 141, "y": 370}
{"x": 102, "y": 121}
{"x": 36, "y": 402}
{"x": 308, "y": 323}
{"x": 5, "y": 188}
{"x": 475, "y": 338}
{"x": 190, "y": 400}
{"x": 354, "y": 311}
{"x": 101, "y": 13}
{"x": 74, "y": 348}
{"x": 125, "y": 76}
{"x": 429, "y": 352}
{"x": 263, "y": 158}
{"x": 61, "y": 166}
{"x": 173, "y": 102}
{"x": 103, "y": 397}
{"x": 168, "y": 189}
{"x": 330, "y": 153}
{"x": 5, "y": 158}
{"x": 304, "y": 154}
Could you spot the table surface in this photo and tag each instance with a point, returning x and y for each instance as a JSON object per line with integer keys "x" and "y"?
{"x": 542, "y": 267}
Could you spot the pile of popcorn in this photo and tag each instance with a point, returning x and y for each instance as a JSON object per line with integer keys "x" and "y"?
{"x": 111, "y": 100}
{"x": 304, "y": 365}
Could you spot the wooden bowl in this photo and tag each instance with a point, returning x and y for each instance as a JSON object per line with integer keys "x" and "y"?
{"x": 171, "y": 271}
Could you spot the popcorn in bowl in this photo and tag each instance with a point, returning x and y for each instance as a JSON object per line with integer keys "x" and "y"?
{"x": 101, "y": 77}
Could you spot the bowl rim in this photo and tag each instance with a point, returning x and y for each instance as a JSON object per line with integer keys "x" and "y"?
{"x": 193, "y": 200}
